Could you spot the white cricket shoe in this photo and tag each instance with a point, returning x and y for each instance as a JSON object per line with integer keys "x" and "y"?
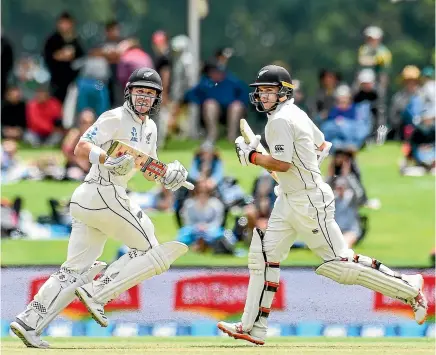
{"x": 84, "y": 293}
{"x": 235, "y": 330}
{"x": 28, "y": 335}
{"x": 419, "y": 303}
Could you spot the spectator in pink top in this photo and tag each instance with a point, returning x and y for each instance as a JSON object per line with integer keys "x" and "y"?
{"x": 132, "y": 57}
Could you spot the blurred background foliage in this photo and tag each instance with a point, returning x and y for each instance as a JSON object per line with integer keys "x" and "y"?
{"x": 304, "y": 34}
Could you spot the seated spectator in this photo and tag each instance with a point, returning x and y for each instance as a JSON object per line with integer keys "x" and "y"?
{"x": 421, "y": 152}
{"x": 428, "y": 88}
{"x": 12, "y": 169}
{"x": 13, "y": 114}
{"x": 132, "y": 57}
{"x": 222, "y": 98}
{"x": 92, "y": 84}
{"x": 203, "y": 219}
{"x": 407, "y": 104}
{"x": 344, "y": 165}
{"x": 324, "y": 97}
{"x": 256, "y": 213}
{"x": 44, "y": 122}
{"x": 339, "y": 127}
{"x": 207, "y": 165}
{"x": 77, "y": 168}
{"x": 347, "y": 211}
{"x": 367, "y": 94}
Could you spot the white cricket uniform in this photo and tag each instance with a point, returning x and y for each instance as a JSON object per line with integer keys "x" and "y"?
{"x": 100, "y": 206}
{"x": 306, "y": 206}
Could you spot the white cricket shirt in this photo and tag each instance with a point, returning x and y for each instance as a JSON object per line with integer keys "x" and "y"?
{"x": 124, "y": 125}
{"x": 293, "y": 137}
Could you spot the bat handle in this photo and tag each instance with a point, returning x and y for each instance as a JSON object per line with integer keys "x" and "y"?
{"x": 188, "y": 185}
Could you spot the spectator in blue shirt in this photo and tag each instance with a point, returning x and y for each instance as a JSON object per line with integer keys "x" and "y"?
{"x": 223, "y": 99}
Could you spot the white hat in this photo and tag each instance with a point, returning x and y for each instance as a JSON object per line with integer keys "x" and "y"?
{"x": 342, "y": 90}
{"x": 366, "y": 76}
{"x": 373, "y": 32}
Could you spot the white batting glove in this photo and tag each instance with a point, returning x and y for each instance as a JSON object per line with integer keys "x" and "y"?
{"x": 121, "y": 165}
{"x": 244, "y": 150}
{"x": 321, "y": 155}
{"x": 277, "y": 190}
{"x": 175, "y": 176}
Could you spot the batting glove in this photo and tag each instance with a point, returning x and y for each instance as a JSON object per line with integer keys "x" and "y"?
{"x": 246, "y": 151}
{"x": 175, "y": 176}
{"x": 120, "y": 166}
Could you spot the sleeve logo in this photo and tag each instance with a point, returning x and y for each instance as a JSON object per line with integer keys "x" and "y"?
{"x": 279, "y": 148}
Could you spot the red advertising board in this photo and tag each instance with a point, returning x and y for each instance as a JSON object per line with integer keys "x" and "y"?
{"x": 218, "y": 295}
{"x": 128, "y": 300}
{"x": 387, "y": 304}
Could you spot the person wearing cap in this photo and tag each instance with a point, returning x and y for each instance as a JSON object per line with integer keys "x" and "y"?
{"x": 406, "y": 103}
{"x": 367, "y": 94}
{"x": 339, "y": 126}
{"x": 373, "y": 54}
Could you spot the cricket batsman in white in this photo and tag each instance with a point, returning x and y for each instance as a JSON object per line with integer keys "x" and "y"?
{"x": 305, "y": 206}
{"x": 100, "y": 209}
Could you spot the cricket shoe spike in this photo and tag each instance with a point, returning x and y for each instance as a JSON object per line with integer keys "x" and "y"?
{"x": 28, "y": 335}
{"x": 84, "y": 293}
{"x": 419, "y": 303}
{"x": 235, "y": 330}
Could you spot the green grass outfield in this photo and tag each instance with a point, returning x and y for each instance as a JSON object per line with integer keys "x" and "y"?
{"x": 401, "y": 233}
{"x": 225, "y": 346}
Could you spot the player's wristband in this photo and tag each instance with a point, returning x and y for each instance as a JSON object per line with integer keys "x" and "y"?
{"x": 252, "y": 157}
{"x": 94, "y": 154}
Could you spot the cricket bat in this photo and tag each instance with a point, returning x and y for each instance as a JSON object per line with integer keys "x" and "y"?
{"x": 152, "y": 169}
{"x": 248, "y": 135}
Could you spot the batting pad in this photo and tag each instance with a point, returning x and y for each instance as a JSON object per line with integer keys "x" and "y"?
{"x": 56, "y": 294}
{"x": 263, "y": 284}
{"x": 354, "y": 273}
{"x": 134, "y": 267}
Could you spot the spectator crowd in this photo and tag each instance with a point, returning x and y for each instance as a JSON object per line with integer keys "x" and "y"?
{"x": 52, "y": 99}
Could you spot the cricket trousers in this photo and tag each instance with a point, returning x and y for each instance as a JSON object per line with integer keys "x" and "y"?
{"x": 308, "y": 215}
{"x": 100, "y": 212}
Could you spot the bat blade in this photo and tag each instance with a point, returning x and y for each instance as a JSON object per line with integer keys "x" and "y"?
{"x": 249, "y": 136}
{"x": 153, "y": 169}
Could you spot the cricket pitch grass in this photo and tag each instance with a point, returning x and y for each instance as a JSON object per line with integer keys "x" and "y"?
{"x": 225, "y": 346}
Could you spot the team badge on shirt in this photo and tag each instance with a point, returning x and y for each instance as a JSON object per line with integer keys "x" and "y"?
{"x": 147, "y": 138}
{"x": 134, "y": 135}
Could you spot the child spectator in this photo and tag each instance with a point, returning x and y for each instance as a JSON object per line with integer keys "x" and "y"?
{"x": 203, "y": 219}
{"x": 207, "y": 165}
